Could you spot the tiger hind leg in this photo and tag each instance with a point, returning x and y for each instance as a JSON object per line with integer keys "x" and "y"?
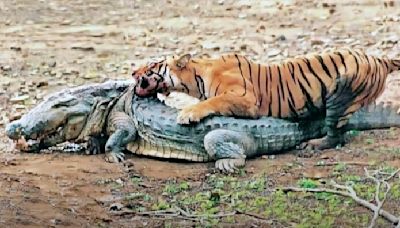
{"x": 339, "y": 108}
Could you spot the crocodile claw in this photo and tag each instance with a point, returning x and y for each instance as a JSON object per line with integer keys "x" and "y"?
{"x": 229, "y": 165}
{"x": 115, "y": 157}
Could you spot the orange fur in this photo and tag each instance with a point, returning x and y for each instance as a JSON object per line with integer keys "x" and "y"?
{"x": 339, "y": 82}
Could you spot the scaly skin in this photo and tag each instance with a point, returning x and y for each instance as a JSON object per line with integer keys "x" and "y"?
{"x": 229, "y": 140}
{"x": 105, "y": 111}
{"x": 79, "y": 114}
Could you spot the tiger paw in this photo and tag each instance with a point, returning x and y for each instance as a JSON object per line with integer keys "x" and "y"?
{"x": 322, "y": 143}
{"x": 191, "y": 114}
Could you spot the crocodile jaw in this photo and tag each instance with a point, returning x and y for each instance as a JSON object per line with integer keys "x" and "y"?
{"x": 36, "y": 144}
{"x": 35, "y": 138}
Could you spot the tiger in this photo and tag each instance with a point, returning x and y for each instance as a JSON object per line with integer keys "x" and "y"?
{"x": 332, "y": 85}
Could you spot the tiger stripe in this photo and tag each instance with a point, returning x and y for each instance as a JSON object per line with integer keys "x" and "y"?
{"x": 334, "y": 83}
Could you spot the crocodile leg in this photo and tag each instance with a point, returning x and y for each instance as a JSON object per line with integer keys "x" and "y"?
{"x": 229, "y": 148}
{"x": 122, "y": 131}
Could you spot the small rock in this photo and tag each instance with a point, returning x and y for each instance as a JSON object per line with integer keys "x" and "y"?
{"x": 55, "y": 221}
{"x": 281, "y": 38}
{"x": 66, "y": 22}
{"x": 273, "y": 52}
{"x": 15, "y": 48}
{"x": 42, "y": 83}
{"x": 389, "y": 3}
{"x": 6, "y": 67}
{"x": 83, "y": 48}
{"x": 98, "y": 34}
{"x": 90, "y": 76}
{"x": 210, "y": 46}
{"x": 116, "y": 207}
{"x": 317, "y": 42}
{"x": 19, "y": 106}
{"x": 119, "y": 181}
{"x": 19, "y": 99}
{"x": 242, "y": 15}
{"x": 52, "y": 63}
{"x": 15, "y": 116}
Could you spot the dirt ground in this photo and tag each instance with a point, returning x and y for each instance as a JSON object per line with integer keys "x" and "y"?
{"x": 46, "y": 45}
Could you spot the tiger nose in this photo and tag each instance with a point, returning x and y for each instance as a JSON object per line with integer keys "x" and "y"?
{"x": 144, "y": 83}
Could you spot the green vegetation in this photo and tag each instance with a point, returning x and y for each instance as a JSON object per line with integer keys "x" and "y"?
{"x": 220, "y": 194}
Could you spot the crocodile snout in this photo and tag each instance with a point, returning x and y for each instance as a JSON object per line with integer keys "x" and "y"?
{"x": 14, "y": 130}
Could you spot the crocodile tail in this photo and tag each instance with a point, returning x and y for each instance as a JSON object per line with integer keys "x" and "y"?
{"x": 375, "y": 116}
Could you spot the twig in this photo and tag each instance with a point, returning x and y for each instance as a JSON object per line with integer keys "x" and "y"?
{"x": 177, "y": 212}
{"x": 349, "y": 193}
{"x": 344, "y": 162}
{"x": 377, "y": 200}
{"x": 155, "y": 213}
{"x": 393, "y": 175}
{"x": 186, "y": 214}
{"x": 378, "y": 183}
{"x": 251, "y": 214}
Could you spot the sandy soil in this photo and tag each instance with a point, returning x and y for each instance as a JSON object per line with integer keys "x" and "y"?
{"x": 47, "y": 45}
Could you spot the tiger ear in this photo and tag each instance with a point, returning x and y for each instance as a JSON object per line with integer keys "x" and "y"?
{"x": 183, "y": 61}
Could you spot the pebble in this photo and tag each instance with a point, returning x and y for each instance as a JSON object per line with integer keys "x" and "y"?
{"x": 316, "y": 42}
{"x": 273, "y": 52}
{"x": 52, "y": 64}
{"x": 6, "y": 67}
{"x": 19, "y": 106}
{"x": 119, "y": 181}
{"x": 15, "y": 116}
{"x": 90, "y": 76}
{"x": 42, "y": 84}
{"x": 19, "y": 99}
{"x": 116, "y": 207}
{"x": 242, "y": 15}
{"x": 210, "y": 45}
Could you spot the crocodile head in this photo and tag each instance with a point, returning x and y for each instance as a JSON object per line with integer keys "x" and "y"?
{"x": 60, "y": 117}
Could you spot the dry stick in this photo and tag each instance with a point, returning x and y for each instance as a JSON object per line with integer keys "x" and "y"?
{"x": 251, "y": 214}
{"x": 393, "y": 174}
{"x": 377, "y": 191}
{"x": 378, "y": 185}
{"x": 186, "y": 214}
{"x": 164, "y": 213}
{"x": 350, "y": 193}
{"x": 177, "y": 212}
{"x": 344, "y": 162}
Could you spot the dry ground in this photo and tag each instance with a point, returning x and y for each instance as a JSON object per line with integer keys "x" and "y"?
{"x": 46, "y": 45}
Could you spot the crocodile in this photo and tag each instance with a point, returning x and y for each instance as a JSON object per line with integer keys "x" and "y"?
{"x": 145, "y": 126}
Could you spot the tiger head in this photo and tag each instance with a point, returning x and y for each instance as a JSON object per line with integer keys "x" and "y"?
{"x": 162, "y": 77}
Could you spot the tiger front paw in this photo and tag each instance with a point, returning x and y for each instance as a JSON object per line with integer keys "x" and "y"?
{"x": 191, "y": 114}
